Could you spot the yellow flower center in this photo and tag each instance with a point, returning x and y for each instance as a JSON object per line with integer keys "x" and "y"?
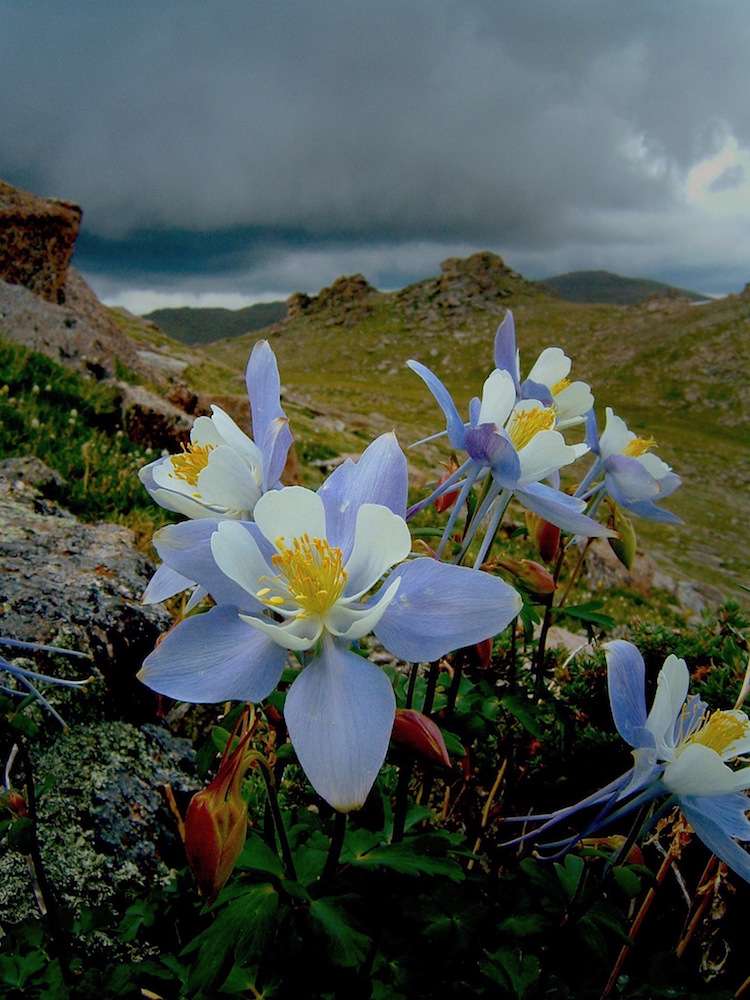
{"x": 525, "y": 424}
{"x": 558, "y": 387}
{"x": 638, "y": 446}
{"x": 313, "y": 572}
{"x": 720, "y": 730}
{"x": 193, "y": 460}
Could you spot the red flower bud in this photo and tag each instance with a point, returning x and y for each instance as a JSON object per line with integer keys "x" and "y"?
{"x": 15, "y": 802}
{"x": 531, "y": 575}
{"x": 483, "y": 653}
{"x": 216, "y": 823}
{"x": 546, "y": 536}
{"x": 413, "y": 731}
{"x": 446, "y": 501}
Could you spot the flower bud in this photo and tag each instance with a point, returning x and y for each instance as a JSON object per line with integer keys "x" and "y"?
{"x": 545, "y": 536}
{"x": 15, "y": 803}
{"x": 483, "y": 653}
{"x": 446, "y": 501}
{"x": 531, "y": 575}
{"x": 625, "y": 545}
{"x": 413, "y": 731}
{"x": 216, "y": 823}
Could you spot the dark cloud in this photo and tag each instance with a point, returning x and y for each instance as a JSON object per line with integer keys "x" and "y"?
{"x": 222, "y": 140}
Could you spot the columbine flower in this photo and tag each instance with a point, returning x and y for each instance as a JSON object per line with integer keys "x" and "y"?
{"x": 27, "y": 678}
{"x": 300, "y": 577}
{"x": 633, "y": 476}
{"x": 221, "y": 473}
{"x": 548, "y": 379}
{"x": 680, "y": 749}
{"x": 518, "y": 445}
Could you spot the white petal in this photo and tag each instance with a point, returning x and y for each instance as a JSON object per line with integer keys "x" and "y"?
{"x": 350, "y": 623}
{"x": 237, "y": 555}
{"x": 289, "y": 513}
{"x": 381, "y": 539}
{"x": 204, "y": 432}
{"x": 236, "y": 438}
{"x": 227, "y": 482}
{"x": 297, "y": 634}
{"x": 498, "y": 398}
{"x": 616, "y": 435}
{"x": 698, "y": 770}
{"x": 552, "y": 365}
{"x": 573, "y": 402}
{"x": 544, "y": 454}
{"x": 671, "y": 692}
{"x": 654, "y": 465}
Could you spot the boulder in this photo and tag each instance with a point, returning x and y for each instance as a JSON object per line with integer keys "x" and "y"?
{"x": 37, "y": 239}
{"x": 344, "y": 303}
{"x": 151, "y": 420}
{"x": 603, "y": 570}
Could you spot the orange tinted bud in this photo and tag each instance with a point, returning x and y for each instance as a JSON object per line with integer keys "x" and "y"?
{"x": 615, "y": 843}
{"x": 413, "y": 731}
{"x": 531, "y": 575}
{"x": 16, "y": 803}
{"x": 546, "y": 536}
{"x": 446, "y": 501}
{"x": 483, "y": 653}
{"x": 216, "y": 823}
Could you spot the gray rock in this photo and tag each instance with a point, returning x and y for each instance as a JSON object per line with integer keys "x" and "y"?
{"x": 151, "y": 420}
{"x": 30, "y": 471}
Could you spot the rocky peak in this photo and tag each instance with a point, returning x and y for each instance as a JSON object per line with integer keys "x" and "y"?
{"x": 37, "y": 239}
{"x": 347, "y": 301}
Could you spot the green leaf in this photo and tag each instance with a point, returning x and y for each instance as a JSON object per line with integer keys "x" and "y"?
{"x": 524, "y": 924}
{"x": 627, "y": 880}
{"x": 258, "y": 856}
{"x": 409, "y": 857}
{"x": 570, "y": 874}
{"x": 517, "y": 972}
{"x": 21, "y": 835}
{"x": 525, "y": 712}
{"x": 453, "y": 745}
{"x": 348, "y": 947}
{"x": 240, "y": 932}
{"x": 588, "y": 612}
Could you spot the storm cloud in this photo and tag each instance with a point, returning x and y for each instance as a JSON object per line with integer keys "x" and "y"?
{"x": 251, "y": 148}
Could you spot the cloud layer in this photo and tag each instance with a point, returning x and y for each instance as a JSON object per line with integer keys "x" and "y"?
{"x": 248, "y": 147}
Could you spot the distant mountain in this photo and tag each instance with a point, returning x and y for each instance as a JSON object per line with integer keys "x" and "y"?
{"x": 612, "y": 289}
{"x": 202, "y": 326}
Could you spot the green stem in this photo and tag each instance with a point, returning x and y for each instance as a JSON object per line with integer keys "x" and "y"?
{"x": 413, "y": 671}
{"x": 512, "y": 664}
{"x": 273, "y": 802}
{"x": 546, "y": 622}
{"x": 402, "y": 799}
{"x": 334, "y": 851}
{"x": 429, "y": 697}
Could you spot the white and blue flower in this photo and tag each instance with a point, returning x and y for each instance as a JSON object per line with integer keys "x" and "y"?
{"x": 314, "y": 573}
{"x": 681, "y": 751}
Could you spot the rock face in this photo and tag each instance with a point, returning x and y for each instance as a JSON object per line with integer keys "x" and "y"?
{"x": 347, "y": 301}
{"x": 37, "y": 239}
{"x": 481, "y": 281}
{"x": 77, "y": 585}
{"x": 152, "y": 421}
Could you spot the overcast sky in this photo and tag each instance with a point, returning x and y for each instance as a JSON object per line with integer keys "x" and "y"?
{"x": 226, "y": 151}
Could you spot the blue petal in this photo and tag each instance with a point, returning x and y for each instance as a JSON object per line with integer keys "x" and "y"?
{"x": 166, "y": 582}
{"x": 270, "y": 428}
{"x": 340, "y": 712}
{"x": 214, "y": 657}
{"x": 536, "y": 390}
{"x": 380, "y": 476}
{"x": 186, "y": 548}
{"x": 506, "y": 353}
{"x": 484, "y": 444}
{"x": 628, "y": 480}
{"x": 440, "y": 607}
{"x": 455, "y": 424}
{"x": 728, "y": 812}
{"x": 475, "y": 405}
{"x": 649, "y": 511}
{"x": 717, "y": 841}
{"x": 592, "y": 432}
{"x": 560, "y": 509}
{"x": 626, "y": 680}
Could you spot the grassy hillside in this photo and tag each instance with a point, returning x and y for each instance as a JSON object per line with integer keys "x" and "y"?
{"x": 202, "y": 326}
{"x": 678, "y": 373}
{"x": 603, "y": 286}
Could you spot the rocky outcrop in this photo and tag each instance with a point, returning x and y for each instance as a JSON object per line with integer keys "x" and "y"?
{"x": 152, "y": 421}
{"x": 345, "y": 302}
{"x": 465, "y": 285}
{"x": 37, "y": 239}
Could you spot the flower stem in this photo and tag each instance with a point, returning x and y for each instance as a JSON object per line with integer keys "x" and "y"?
{"x": 539, "y": 686}
{"x": 273, "y": 802}
{"x": 413, "y": 671}
{"x": 512, "y": 657}
{"x": 334, "y": 851}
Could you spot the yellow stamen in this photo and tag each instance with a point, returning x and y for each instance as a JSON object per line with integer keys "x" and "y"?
{"x": 720, "y": 730}
{"x": 558, "y": 387}
{"x": 193, "y": 460}
{"x": 638, "y": 446}
{"x": 526, "y": 424}
{"x": 313, "y": 572}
